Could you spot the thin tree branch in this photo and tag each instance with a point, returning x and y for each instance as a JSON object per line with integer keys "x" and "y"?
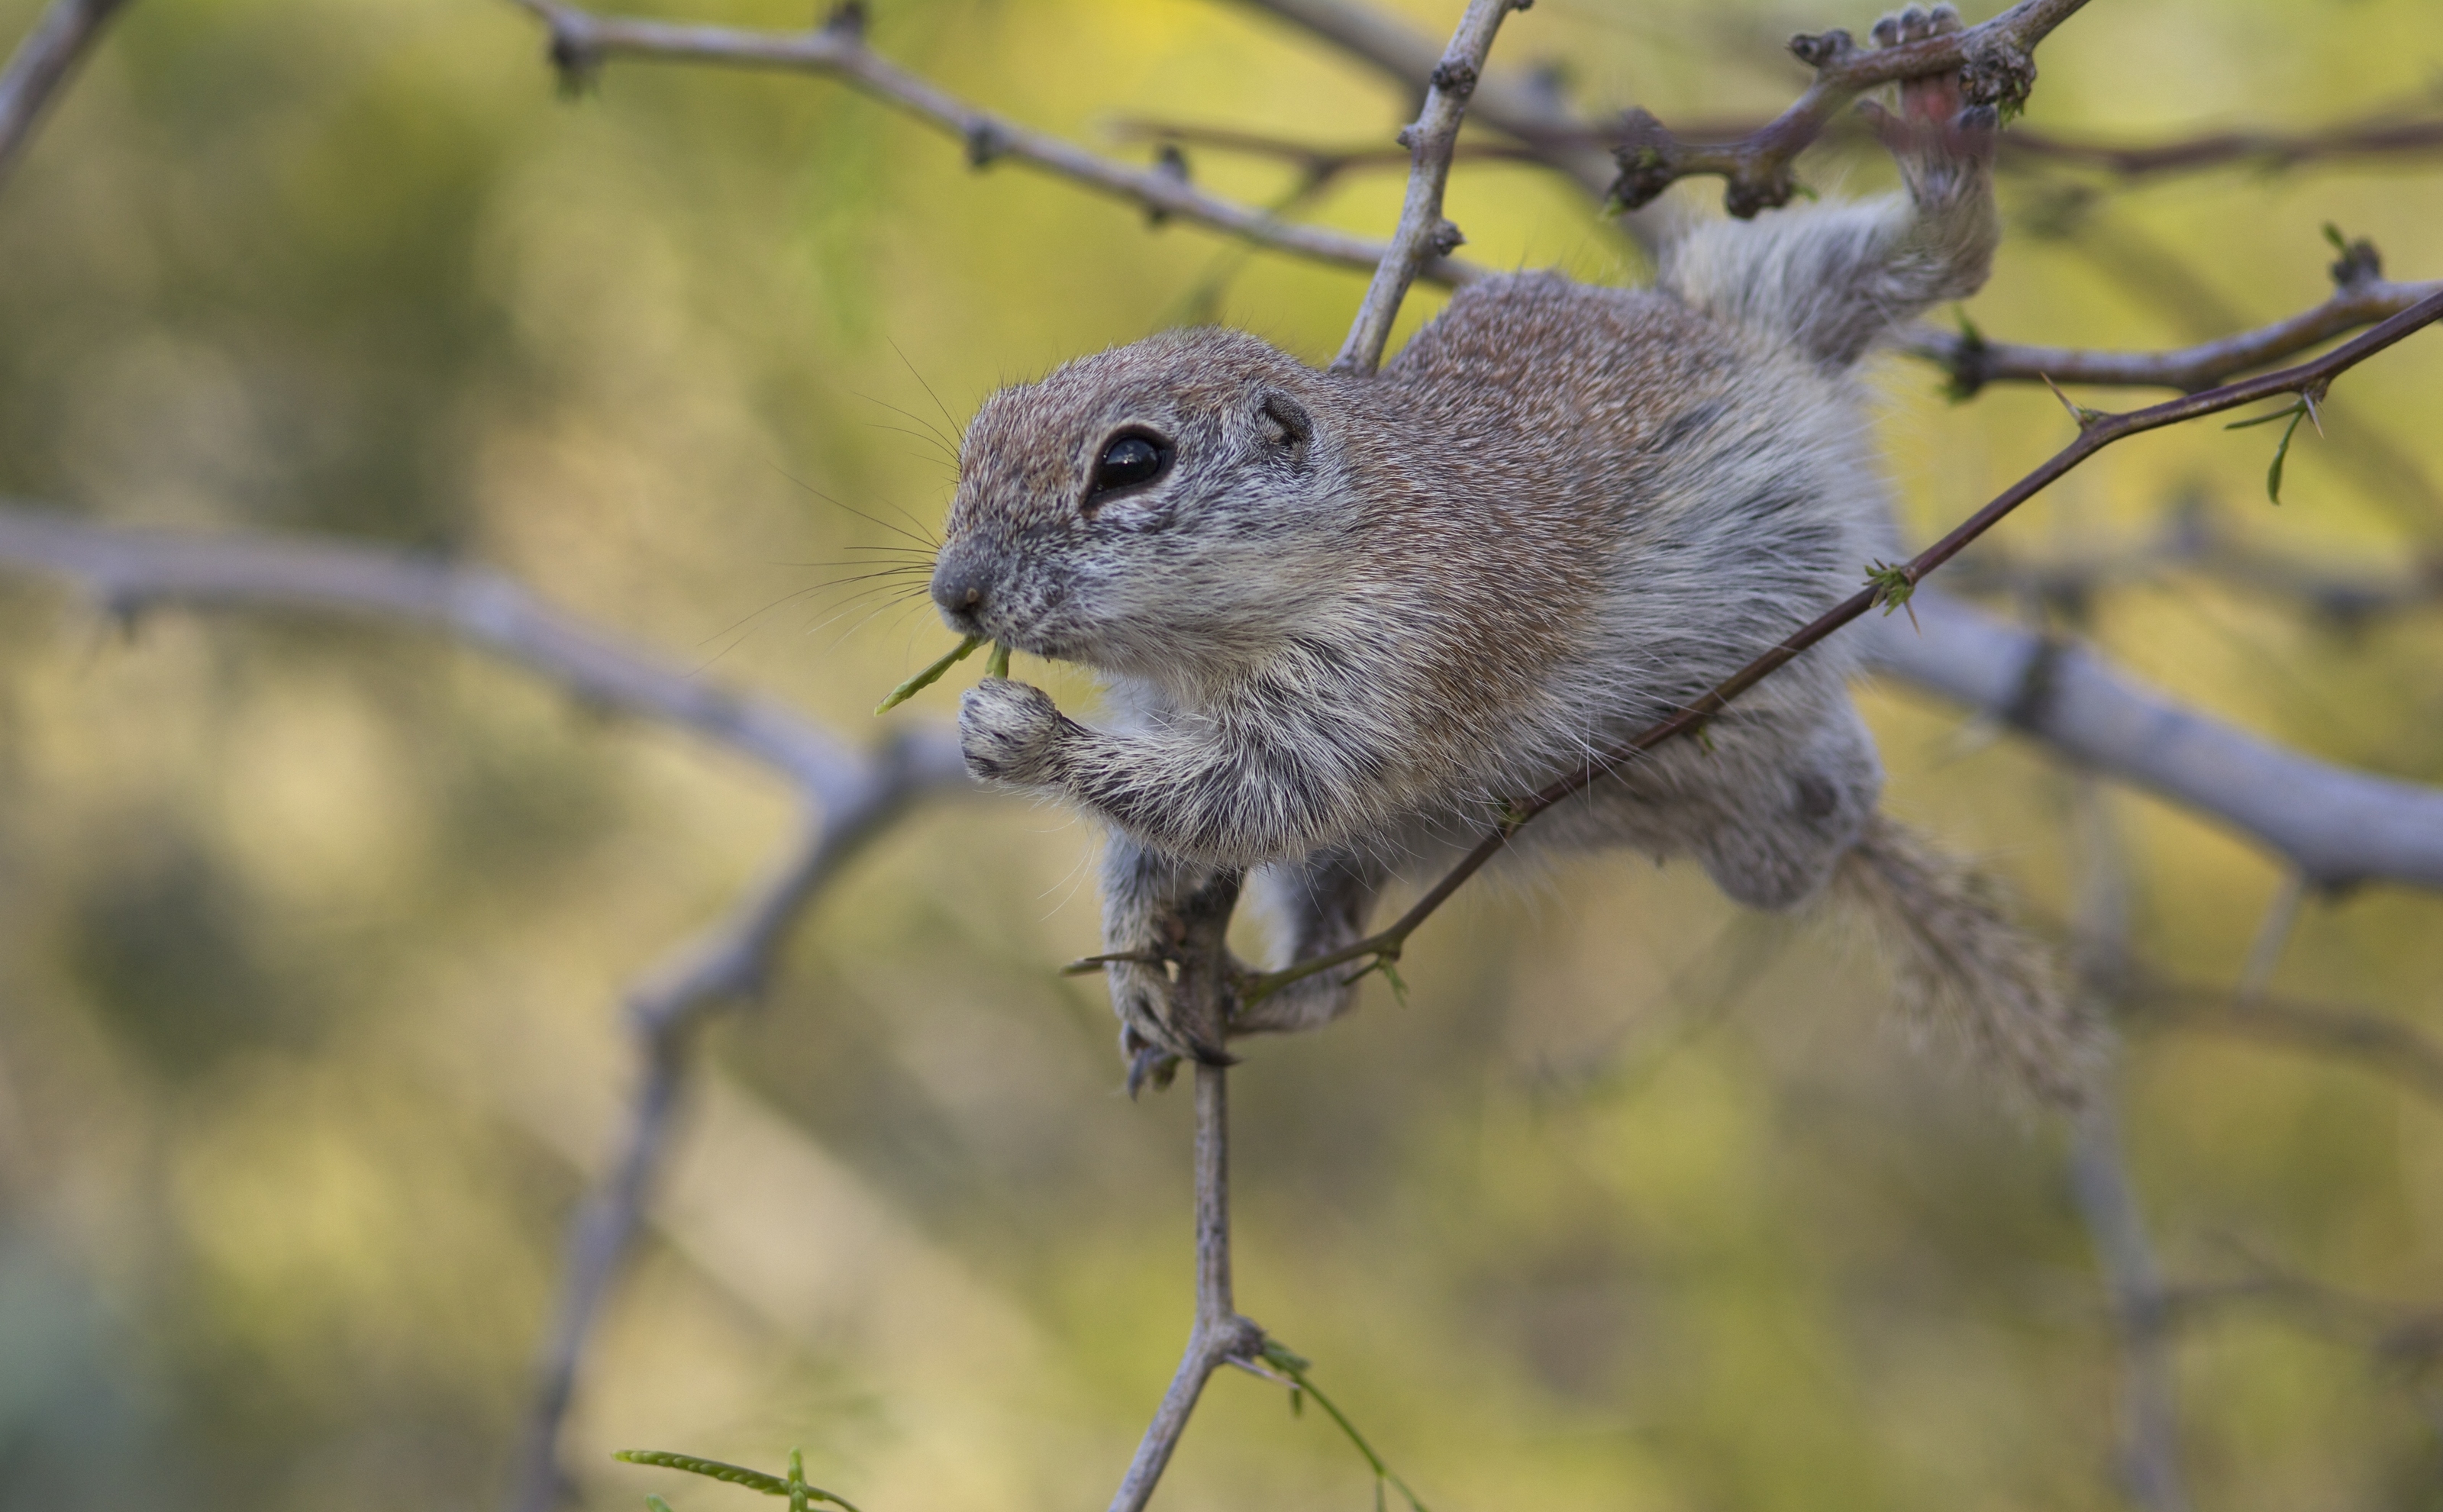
{"x": 1554, "y": 135}
{"x": 1220, "y": 1336}
{"x": 42, "y": 65}
{"x": 2097, "y": 431}
{"x": 1525, "y": 108}
{"x": 2107, "y": 1204}
{"x": 1973, "y": 362}
{"x": 130, "y": 570}
{"x": 2021, "y": 147}
{"x": 2399, "y": 1338}
{"x": 1422, "y": 234}
{"x": 2190, "y": 541}
{"x": 2387, "y": 1046}
{"x": 2101, "y": 1185}
{"x": 581, "y": 41}
{"x": 1314, "y": 161}
{"x": 2379, "y": 137}
{"x": 2334, "y": 825}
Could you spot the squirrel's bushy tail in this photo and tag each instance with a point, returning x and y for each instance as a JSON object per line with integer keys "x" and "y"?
{"x": 1963, "y": 970}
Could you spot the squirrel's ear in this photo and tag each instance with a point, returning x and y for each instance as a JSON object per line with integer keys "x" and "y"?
{"x": 1283, "y": 420}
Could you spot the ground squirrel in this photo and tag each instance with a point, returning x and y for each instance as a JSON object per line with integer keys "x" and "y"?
{"x": 1343, "y": 617}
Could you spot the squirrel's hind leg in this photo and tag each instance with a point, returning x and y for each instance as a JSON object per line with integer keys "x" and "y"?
{"x": 1312, "y": 906}
{"x": 1788, "y": 811}
{"x": 1766, "y": 802}
{"x": 1832, "y": 280}
{"x": 1145, "y": 893}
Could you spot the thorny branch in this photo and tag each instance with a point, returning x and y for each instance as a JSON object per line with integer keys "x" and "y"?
{"x": 2022, "y": 147}
{"x": 41, "y": 64}
{"x": 1528, "y": 109}
{"x": 583, "y": 41}
{"x": 2363, "y": 297}
{"x": 2097, "y": 430}
{"x": 1422, "y": 234}
{"x": 1535, "y": 113}
{"x": 1205, "y": 995}
{"x": 1220, "y": 1336}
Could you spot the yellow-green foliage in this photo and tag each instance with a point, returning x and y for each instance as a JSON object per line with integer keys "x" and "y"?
{"x": 312, "y": 934}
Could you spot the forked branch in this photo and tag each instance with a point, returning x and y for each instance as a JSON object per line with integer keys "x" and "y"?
{"x": 849, "y": 797}
{"x": 729, "y": 964}
{"x": 1550, "y": 133}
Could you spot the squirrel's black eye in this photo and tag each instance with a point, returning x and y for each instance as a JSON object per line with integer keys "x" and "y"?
{"x": 1128, "y": 462}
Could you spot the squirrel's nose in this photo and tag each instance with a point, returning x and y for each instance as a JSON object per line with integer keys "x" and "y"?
{"x": 958, "y": 588}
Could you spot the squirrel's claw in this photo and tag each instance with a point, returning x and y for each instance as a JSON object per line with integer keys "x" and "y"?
{"x": 1151, "y": 1036}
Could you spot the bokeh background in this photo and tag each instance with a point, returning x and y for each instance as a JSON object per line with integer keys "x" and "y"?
{"x": 312, "y": 931}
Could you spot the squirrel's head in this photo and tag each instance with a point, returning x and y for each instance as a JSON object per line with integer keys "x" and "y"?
{"x": 1152, "y": 508}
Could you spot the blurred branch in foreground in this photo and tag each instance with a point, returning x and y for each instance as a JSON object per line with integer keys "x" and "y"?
{"x": 2335, "y": 825}
{"x": 42, "y": 64}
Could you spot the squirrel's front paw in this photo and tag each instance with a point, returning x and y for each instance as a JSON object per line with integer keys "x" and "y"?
{"x": 1010, "y": 731}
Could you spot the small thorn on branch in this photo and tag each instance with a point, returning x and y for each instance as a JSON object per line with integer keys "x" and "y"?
{"x": 1170, "y": 161}
{"x": 574, "y": 59}
{"x": 985, "y": 143}
{"x": 2084, "y": 416}
{"x": 1894, "y": 582}
{"x": 2359, "y": 263}
{"x": 847, "y": 20}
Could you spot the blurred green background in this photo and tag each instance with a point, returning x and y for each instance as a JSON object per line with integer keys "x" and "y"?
{"x": 312, "y": 933}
